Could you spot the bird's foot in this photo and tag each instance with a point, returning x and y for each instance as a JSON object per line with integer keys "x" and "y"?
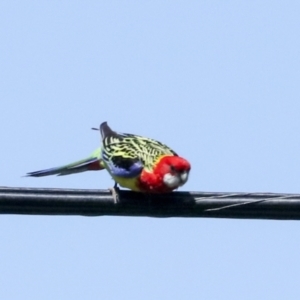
{"x": 115, "y": 193}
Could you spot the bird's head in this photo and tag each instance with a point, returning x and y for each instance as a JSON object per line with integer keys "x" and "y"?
{"x": 174, "y": 171}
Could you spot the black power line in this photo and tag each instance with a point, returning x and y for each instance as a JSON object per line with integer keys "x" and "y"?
{"x": 44, "y": 201}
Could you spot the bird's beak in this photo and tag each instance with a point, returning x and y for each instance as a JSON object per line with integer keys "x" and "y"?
{"x": 184, "y": 177}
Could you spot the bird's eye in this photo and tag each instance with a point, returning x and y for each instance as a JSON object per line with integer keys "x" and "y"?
{"x": 172, "y": 168}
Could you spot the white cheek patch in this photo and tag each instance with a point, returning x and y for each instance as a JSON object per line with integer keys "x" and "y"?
{"x": 171, "y": 181}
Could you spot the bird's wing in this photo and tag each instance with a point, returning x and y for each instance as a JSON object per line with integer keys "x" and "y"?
{"x": 126, "y": 155}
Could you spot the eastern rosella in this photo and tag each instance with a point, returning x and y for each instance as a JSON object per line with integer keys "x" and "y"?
{"x": 135, "y": 162}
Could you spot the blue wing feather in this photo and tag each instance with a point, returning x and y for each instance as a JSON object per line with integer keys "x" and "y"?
{"x": 133, "y": 171}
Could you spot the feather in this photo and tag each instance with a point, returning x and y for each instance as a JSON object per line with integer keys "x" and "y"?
{"x": 91, "y": 163}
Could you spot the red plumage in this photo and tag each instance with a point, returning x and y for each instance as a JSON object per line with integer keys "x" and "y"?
{"x": 154, "y": 182}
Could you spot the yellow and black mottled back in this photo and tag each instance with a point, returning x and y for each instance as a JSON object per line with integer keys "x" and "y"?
{"x": 123, "y": 149}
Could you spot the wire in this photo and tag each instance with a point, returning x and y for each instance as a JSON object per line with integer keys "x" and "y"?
{"x": 45, "y": 201}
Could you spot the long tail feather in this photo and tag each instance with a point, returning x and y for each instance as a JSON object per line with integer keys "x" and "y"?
{"x": 91, "y": 163}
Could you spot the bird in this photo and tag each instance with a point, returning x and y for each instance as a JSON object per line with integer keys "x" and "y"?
{"x": 135, "y": 162}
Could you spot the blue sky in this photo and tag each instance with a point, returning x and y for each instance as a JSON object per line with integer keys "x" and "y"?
{"x": 218, "y": 81}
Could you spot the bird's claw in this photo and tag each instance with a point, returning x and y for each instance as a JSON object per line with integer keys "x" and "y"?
{"x": 115, "y": 193}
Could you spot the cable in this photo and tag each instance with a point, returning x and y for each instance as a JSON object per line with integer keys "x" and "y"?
{"x": 45, "y": 201}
